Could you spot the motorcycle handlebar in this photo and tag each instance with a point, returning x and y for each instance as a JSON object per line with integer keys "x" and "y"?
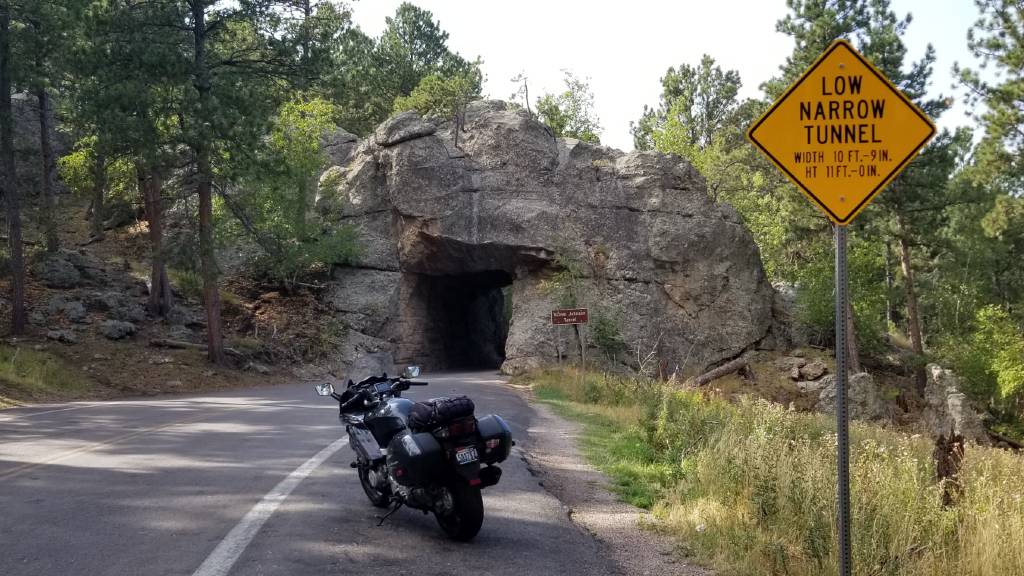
{"x": 351, "y": 402}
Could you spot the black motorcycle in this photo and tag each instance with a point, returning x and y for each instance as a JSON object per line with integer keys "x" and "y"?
{"x": 434, "y": 456}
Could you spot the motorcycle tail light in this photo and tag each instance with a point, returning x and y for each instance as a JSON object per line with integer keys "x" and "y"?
{"x": 493, "y": 443}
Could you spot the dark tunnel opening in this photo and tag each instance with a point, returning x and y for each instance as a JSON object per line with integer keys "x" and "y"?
{"x": 470, "y": 316}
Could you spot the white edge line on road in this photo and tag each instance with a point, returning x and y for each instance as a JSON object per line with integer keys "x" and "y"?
{"x": 230, "y": 549}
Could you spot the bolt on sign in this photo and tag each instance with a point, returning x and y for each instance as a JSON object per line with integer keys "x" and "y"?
{"x": 842, "y": 132}
{"x": 569, "y": 316}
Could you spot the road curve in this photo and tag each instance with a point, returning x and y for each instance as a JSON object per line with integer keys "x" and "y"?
{"x": 244, "y": 483}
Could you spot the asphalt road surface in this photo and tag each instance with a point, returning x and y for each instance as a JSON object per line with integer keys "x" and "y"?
{"x": 251, "y": 482}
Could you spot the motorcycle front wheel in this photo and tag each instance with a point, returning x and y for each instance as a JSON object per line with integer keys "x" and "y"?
{"x": 467, "y": 513}
{"x": 377, "y": 498}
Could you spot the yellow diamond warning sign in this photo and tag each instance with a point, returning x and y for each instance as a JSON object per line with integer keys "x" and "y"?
{"x": 841, "y": 132}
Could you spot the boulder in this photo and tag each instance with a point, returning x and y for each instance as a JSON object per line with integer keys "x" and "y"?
{"x": 72, "y": 310}
{"x": 864, "y": 402}
{"x": 181, "y": 334}
{"x": 75, "y": 312}
{"x": 56, "y": 271}
{"x": 448, "y": 234}
{"x": 813, "y": 370}
{"x": 401, "y": 128}
{"x": 116, "y": 329}
{"x": 338, "y": 145}
{"x": 947, "y": 408}
{"x": 106, "y": 301}
{"x": 130, "y": 312}
{"x": 789, "y": 363}
{"x": 65, "y": 336}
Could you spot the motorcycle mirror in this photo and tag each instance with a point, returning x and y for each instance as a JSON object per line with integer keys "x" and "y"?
{"x": 411, "y": 372}
{"x": 325, "y": 389}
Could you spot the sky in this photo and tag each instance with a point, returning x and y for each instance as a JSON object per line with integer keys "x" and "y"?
{"x": 624, "y": 48}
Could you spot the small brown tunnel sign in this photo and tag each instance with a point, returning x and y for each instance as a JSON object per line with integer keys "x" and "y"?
{"x": 569, "y": 316}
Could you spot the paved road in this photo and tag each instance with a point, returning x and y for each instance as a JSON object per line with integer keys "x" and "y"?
{"x": 170, "y": 485}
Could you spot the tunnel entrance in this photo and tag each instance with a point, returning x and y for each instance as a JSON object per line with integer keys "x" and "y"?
{"x": 465, "y": 320}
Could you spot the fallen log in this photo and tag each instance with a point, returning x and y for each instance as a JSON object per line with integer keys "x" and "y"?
{"x": 181, "y": 345}
{"x": 741, "y": 363}
{"x": 1009, "y": 441}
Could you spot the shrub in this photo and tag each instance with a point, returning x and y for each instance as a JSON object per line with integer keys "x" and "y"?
{"x": 991, "y": 359}
{"x": 816, "y": 294}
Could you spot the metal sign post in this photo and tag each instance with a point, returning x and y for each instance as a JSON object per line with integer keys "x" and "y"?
{"x": 841, "y": 133}
{"x": 842, "y": 414}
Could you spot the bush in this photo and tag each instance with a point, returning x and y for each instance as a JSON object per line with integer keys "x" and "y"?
{"x": 991, "y": 360}
{"x": 605, "y": 332}
{"x": 816, "y": 294}
{"x": 750, "y": 487}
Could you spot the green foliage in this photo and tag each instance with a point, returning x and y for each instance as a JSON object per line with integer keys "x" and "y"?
{"x": 750, "y": 487}
{"x": 605, "y": 330}
{"x": 27, "y": 374}
{"x": 991, "y": 359}
{"x": 816, "y": 293}
{"x": 77, "y": 171}
{"x": 187, "y": 282}
{"x": 996, "y": 40}
{"x": 565, "y": 285}
{"x": 370, "y": 75}
{"x": 445, "y": 97}
{"x": 571, "y": 113}
{"x": 296, "y": 260}
{"x": 281, "y": 186}
{"x": 699, "y": 101}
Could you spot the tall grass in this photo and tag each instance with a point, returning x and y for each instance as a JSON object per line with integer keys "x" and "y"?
{"x": 749, "y": 487}
{"x": 27, "y": 374}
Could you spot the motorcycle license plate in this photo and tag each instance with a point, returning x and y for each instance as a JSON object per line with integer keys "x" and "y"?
{"x": 466, "y": 455}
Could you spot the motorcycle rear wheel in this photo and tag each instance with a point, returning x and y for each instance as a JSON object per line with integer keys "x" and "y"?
{"x": 377, "y": 498}
{"x": 467, "y": 515}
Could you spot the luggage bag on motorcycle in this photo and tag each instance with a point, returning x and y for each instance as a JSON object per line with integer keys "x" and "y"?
{"x": 415, "y": 458}
{"x": 495, "y": 437}
{"x": 439, "y": 411}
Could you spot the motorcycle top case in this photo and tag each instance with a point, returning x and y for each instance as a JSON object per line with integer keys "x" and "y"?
{"x": 415, "y": 458}
{"x": 492, "y": 427}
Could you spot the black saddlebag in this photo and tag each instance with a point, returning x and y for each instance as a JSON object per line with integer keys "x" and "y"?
{"x": 415, "y": 459}
{"x": 439, "y": 411}
{"x": 495, "y": 438}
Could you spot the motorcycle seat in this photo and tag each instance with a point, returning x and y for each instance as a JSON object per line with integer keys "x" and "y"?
{"x": 439, "y": 411}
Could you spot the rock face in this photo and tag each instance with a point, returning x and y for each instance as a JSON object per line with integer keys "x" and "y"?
{"x": 449, "y": 235}
{"x": 948, "y": 408}
{"x": 863, "y": 399}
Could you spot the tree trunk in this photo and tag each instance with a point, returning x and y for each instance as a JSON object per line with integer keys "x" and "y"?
{"x": 49, "y": 171}
{"x": 201, "y": 147}
{"x": 852, "y": 350}
{"x": 890, "y": 314}
{"x": 99, "y": 184}
{"x": 160, "y": 300}
{"x": 8, "y": 181}
{"x": 913, "y": 319}
{"x": 302, "y": 208}
{"x": 305, "y": 76}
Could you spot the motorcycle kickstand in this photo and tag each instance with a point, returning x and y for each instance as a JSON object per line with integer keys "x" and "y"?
{"x": 390, "y": 512}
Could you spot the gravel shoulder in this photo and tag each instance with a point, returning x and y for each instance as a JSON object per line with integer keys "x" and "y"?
{"x": 555, "y": 458}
